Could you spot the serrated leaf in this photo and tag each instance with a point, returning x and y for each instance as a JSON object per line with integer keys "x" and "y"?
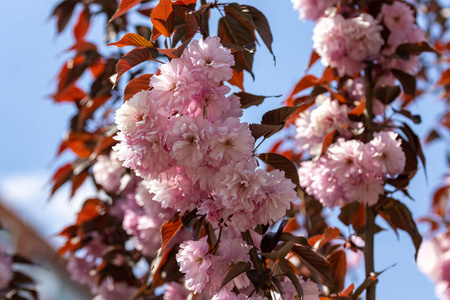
{"x": 141, "y": 83}
{"x": 132, "y": 39}
{"x": 163, "y": 17}
{"x": 315, "y": 263}
{"x": 235, "y": 271}
{"x": 387, "y": 94}
{"x": 280, "y": 162}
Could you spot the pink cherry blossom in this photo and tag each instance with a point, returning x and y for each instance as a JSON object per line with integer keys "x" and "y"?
{"x": 312, "y": 9}
{"x": 346, "y": 43}
{"x": 209, "y": 58}
{"x": 386, "y": 152}
{"x": 195, "y": 262}
{"x": 107, "y": 172}
{"x": 175, "y": 291}
{"x": 231, "y": 140}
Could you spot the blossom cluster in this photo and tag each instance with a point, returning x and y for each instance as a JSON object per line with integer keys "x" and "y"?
{"x": 205, "y": 272}
{"x": 185, "y": 138}
{"x": 433, "y": 260}
{"x": 349, "y": 170}
{"x": 348, "y": 42}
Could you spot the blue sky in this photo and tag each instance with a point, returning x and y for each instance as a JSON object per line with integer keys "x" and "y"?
{"x": 31, "y": 56}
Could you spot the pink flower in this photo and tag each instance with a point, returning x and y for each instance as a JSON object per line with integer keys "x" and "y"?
{"x": 319, "y": 181}
{"x": 107, "y": 172}
{"x": 195, "y": 262}
{"x": 210, "y": 59}
{"x": 210, "y": 102}
{"x": 175, "y": 291}
{"x": 346, "y": 43}
{"x": 400, "y": 20}
{"x": 238, "y": 185}
{"x": 313, "y": 126}
{"x": 279, "y": 193}
{"x": 386, "y": 153}
{"x": 189, "y": 140}
{"x": 231, "y": 140}
{"x": 174, "y": 87}
{"x": 312, "y": 9}
{"x": 225, "y": 294}
{"x": 114, "y": 290}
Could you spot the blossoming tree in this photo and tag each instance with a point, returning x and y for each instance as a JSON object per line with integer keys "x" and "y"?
{"x": 188, "y": 207}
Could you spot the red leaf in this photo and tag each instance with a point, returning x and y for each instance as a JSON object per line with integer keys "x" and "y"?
{"x": 348, "y": 291}
{"x": 92, "y": 208}
{"x": 306, "y": 82}
{"x": 132, "y": 39}
{"x": 124, "y": 7}
{"x": 314, "y": 57}
{"x": 141, "y": 83}
{"x": 445, "y": 78}
{"x": 185, "y": 2}
{"x": 77, "y": 181}
{"x": 329, "y": 234}
{"x": 175, "y": 52}
{"x": 163, "y": 18}
{"x": 82, "y": 26}
{"x": 327, "y": 141}
{"x": 168, "y": 231}
{"x": 132, "y": 59}
{"x": 359, "y": 110}
{"x": 237, "y": 79}
{"x": 72, "y": 93}
{"x": 338, "y": 263}
{"x": 61, "y": 176}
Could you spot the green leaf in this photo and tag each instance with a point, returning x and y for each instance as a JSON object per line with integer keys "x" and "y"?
{"x": 280, "y": 162}
{"x": 235, "y": 271}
